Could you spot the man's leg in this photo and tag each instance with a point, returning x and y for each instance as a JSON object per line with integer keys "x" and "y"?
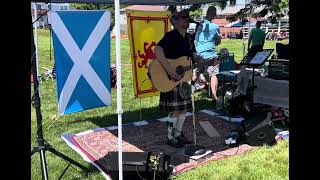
{"x": 213, "y": 71}
{"x": 172, "y": 124}
{"x": 214, "y": 86}
{"x": 181, "y": 118}
{"x": 172, "y": 129}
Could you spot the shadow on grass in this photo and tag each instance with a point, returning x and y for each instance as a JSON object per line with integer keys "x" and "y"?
{"x": 147, "y": 114}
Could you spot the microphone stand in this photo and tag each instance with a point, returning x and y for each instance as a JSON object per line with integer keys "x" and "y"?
{"x": 194, "y": 149}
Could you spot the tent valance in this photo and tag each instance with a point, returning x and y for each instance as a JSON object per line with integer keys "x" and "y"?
{"x": 134, "y": 2}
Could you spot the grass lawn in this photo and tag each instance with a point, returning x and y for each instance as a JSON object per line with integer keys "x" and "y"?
{"x": 263, "y": 163}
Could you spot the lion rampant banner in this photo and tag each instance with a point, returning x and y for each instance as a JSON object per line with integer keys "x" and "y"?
{"x": 145, "y": 29}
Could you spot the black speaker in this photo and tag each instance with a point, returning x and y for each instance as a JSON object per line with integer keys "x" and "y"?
{"x": 257, "y": 130}
{"x": 140, "y": 165}
{"x": 279, "y": 69}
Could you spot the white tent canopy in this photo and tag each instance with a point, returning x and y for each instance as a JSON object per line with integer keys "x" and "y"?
{"x": 118, "y": 61}
{"x": 134, "y": 2}
{"x": 240, "y": 24}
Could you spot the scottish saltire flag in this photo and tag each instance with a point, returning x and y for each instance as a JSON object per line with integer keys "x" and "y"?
{"x": 81, "y": 41}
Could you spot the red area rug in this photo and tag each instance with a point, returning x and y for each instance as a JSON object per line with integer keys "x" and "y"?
{"x": 151, "y": 136}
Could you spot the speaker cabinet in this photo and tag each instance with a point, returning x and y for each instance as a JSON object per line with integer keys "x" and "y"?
{"x": 258, "y": 130}
{"x": 139, "y": 165}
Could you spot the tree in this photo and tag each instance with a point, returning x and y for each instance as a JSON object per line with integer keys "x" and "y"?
{"x": 273, "y": 8}
{"x": 224, "y": 4}
{"x": 97, "y": 7}
{"x": 196, "y": 11}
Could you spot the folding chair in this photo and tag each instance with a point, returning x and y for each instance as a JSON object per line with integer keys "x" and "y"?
{"x": 227, "y": 73}
{"x": 50, "y": 73}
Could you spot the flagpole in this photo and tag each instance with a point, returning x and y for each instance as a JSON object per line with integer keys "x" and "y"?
{"x": 119, "y": 88}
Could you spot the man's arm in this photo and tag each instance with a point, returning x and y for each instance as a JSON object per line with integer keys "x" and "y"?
{"x": 264, "y": 38}
{"x": 218, "y": 39}
{"x": 158, "y": 51}
{"x": 249, "y": 41}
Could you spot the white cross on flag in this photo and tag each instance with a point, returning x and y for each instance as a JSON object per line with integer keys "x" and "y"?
{"x": 81, "y": 41}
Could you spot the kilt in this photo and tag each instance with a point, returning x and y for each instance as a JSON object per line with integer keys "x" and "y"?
{"x": 172, "y": 101}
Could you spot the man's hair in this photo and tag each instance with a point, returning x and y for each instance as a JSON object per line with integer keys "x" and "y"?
{"x": 258, "y": 23}
{"x": 211, "y": 13}
{"x": 175, "y": 16}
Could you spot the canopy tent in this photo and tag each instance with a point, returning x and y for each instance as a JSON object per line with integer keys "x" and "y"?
{"x": 134, "y": 2}
{"x": 118, "y": 61}
{"x": 241, "y": 24}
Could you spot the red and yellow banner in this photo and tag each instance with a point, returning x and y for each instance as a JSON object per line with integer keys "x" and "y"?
{"x": 145, "y": 29}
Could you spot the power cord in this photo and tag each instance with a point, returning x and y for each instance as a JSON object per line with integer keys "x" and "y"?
{"x": 226, "y": 155}
{"x": 41, "y": 16}
{"x": 139, "y": 174}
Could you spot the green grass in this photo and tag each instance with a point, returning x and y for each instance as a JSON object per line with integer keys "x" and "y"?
{"x": 264, "y": 163}
{"x": 55, "y": 125}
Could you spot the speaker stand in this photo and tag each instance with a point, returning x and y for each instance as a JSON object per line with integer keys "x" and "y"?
{"x": 42, "y": 145}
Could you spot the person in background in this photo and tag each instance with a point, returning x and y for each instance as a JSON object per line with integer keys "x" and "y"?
{"x": 256, "y": 38}
{"x": 207, "y": 38}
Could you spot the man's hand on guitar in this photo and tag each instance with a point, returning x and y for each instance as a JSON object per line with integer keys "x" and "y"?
{"x": 173, "y": 75}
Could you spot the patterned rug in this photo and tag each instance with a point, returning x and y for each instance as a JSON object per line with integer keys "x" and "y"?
{"x": 151, "y": 136}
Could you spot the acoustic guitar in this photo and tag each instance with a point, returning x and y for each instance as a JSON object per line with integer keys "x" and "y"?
{"x": 161, "y": 80}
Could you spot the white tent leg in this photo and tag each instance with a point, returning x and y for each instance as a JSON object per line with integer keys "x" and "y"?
{"x": 119, "y": 88}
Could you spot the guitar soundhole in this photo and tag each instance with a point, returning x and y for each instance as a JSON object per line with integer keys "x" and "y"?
{"x": 180, "y": 71}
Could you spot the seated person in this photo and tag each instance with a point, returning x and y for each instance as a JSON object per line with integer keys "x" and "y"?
{"x": 200, "y": 82}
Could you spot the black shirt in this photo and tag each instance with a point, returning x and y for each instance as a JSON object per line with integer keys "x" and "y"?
{"x": 175, "y": 45}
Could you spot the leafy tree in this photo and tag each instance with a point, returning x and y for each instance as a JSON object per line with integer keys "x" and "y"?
{"x": 224, "y": 4}
{"x": 92, "y": 6}
{"x": 273, "y": 8}
{"x": 196, "y": 11}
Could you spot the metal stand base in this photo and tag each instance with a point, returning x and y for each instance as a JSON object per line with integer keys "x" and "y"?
{"x": 195, "y": 150}
{"x": 48, "y": 147}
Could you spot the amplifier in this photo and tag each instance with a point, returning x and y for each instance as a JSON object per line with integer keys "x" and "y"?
{"x": 257, "y": 130}
{"x": 140, "y": 165}
{"x": 279, "y": 69}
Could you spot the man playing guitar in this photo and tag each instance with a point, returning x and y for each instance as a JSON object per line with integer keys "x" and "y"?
{"x": 173, "y": 45}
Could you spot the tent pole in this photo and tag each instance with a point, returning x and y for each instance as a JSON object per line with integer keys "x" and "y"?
{"x": 119, "y": 88}
{"x": 279, "y": 26}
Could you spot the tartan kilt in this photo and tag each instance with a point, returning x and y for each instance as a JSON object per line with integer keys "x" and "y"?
{"x": 172, "y": 101}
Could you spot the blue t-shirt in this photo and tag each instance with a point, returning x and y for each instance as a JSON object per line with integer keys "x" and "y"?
{"x": 206, "y": 36}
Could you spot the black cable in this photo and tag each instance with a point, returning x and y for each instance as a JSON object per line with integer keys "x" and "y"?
{"x": 32, "y": 57}
{"x": 50, "y": 41}
{"x": 50, "y": 28}
{"x": 225, "y": 155}
{"x": 40, "y": 16}
{"x": 33, "y": 98}
{"x": 139, "y": 174}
